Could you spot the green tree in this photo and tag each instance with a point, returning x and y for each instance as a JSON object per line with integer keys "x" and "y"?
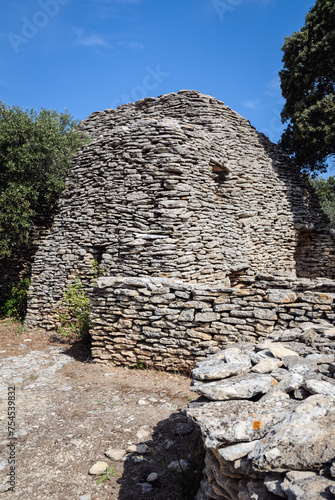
{"x": 325, "y": 189}
{"x": 308, "y": 85}
{"x": 35, "y": 154}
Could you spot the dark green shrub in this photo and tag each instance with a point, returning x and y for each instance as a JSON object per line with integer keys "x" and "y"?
{"x": 13, "y": 301}
{"x": 75, "y": 315}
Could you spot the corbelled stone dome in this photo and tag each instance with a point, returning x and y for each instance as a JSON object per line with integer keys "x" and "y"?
{"x": 179, "y": 187}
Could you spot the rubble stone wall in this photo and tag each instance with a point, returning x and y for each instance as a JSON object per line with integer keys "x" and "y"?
{"x": 172, "y": 325}
{"x": 180, "y": 187}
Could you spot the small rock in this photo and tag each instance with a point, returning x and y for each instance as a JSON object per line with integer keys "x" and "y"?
{"x": 152, "y": 477}
{"x": 267, "y": 365}
{"x": 146, "y": 487}
{"x": 142, "y": 402}
{"x": 279, "y": 351}
{"x": 290, "y": 383}
{"x": 330, "y": 333}
{"x": 237, "y": 451}
{"x": 301, "y": 393}
{"x": 182, "y": 429}
{"x": 309, "y": 337}
{"x": 320, "y": 358}
{"x": 143, "y": 433}
{"x": 299, "y": 365}
{"x": 307, "y": 486}
{"x": 98, "y": 468}
{"x": 279, "y": 374}
{"x": 273, "y": 484}
{"x": 115, "y": 454}
{"x": 85, "y": 497}
{"x": 137, "y": 458}
{"x": 137, "y": 448}
{"x": 320, "y": 387}
{"x": 178, "y": 465}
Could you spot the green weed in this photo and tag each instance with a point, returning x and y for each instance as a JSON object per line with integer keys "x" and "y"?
{"x": 109, "y": 473}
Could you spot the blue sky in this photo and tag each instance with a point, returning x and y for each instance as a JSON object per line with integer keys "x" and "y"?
{"x": 88, "y": 55}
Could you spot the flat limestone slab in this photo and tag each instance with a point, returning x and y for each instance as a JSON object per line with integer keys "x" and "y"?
{"x": 302, "y": 441}
{"x": 240, "y": 387}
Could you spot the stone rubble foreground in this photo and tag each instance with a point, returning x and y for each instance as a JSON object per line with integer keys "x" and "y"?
{"x": 268, "y": 427}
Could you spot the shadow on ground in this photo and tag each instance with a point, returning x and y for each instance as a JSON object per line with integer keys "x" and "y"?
{"x": 79, "y": 350}
{"x": 175, "y": 453}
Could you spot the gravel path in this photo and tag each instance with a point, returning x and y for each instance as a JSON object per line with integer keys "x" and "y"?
{"x": 68, "y": 413}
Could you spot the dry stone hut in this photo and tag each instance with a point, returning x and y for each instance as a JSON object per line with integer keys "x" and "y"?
{"x": 178, "y": 188}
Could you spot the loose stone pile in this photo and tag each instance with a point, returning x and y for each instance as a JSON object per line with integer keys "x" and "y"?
{"x": 170, "y": 324}
{"x": 267, "y": 415}
{"x": 180, "y": 187}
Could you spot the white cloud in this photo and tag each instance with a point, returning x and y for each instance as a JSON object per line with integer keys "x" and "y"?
{"x": 252, "y": 104}
{"x": 93, "y": 40}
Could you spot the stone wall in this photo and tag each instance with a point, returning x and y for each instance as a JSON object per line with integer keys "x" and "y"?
{"x": 180, "y": 187}
{"x": 169, "y": 324}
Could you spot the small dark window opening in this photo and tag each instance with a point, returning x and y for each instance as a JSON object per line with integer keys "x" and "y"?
{"x": 220, "y": 172}
{"x": 97, "y": 254}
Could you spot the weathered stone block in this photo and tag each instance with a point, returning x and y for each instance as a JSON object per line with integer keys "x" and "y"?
{"x": 207, "y": 317}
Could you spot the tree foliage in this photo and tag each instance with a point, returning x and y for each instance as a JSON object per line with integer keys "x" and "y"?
{"x": 35, "y": 154}
{"x": 13, "y": 300}
{"x": 325, "y": 189}
{"x": 308, "y": 85}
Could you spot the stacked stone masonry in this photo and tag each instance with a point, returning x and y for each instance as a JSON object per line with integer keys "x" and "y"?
{"x": 180, "y": 187}
{"x": 206, "y": 235}
{"x": 172, "y": 325}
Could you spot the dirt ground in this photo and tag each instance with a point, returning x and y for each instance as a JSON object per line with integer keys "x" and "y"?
{"x": 69, "y": 411}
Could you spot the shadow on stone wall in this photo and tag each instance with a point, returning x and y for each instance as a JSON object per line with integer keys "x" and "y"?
{"x": 315, "y": 247}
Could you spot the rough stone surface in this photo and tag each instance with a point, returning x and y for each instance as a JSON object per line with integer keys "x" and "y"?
{"x": 115, "y": 454}
{"x": 302, "y": 486}
{"x": 232, "y": 363}
{"x": 279, "y": 446}
{"x": 138, "y": 320}
{"x": 98, "y": 468}
{"x": 267, "y": 365}
{"x": 239, "y": 387}
{"x": 185, "y": 188}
